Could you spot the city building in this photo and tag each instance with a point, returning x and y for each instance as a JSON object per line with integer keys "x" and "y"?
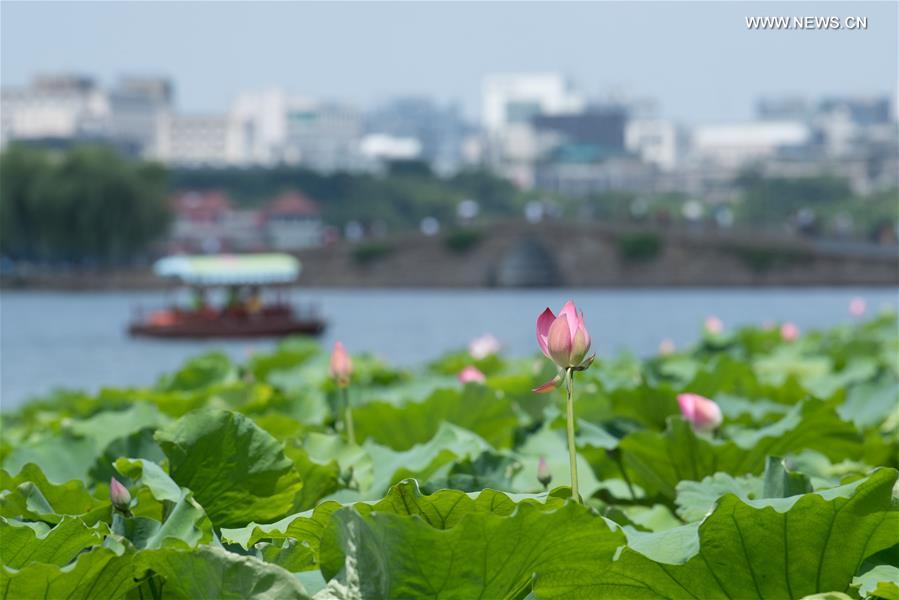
{"x": 259, "y": 119}
{"x": 137, "y": 106}
{"x": 273, "y": 127}
{"x": 516, "y": 99}
{"x": 657, "y": 142}
{"x": 382, "y": 147}
{"x": 509, "y": 105}
{"x": 323, "y": 136}
{"x": 440, "y": 131}
{"x": 733, "y": 145}
{"x": 196, "y": 141}
{"x": 577, "y": 176}
{"x": 53, "y": 107}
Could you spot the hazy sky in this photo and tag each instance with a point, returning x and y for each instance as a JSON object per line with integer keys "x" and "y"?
{"x": 697, "y": 59}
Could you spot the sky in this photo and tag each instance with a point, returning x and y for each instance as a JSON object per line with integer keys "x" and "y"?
{"x": 697, "y": 60}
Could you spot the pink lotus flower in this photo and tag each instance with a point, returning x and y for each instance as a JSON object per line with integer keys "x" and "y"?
{"x": 713, "y": 325}
{"x": 701, "y": 412}
{"x": 544, "y": 476}
{"x": 857, "y": 306}
{"x": 564, "y": 340}
{"x": 341, "y": 365}
{"x": 119, "y": 495}
{"x": 789, "y": 332}
{"x": 471, "y": 374}
{"x": 483, "y": 346}
{"x": 667, "y": 347}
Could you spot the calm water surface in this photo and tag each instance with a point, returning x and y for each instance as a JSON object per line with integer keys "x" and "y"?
{"x": 79, "y": 340}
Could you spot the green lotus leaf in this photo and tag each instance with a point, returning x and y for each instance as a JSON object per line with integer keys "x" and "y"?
{"x": 237, "y": 471}
{"x": 211, "y": 572}
{"x": 776, "y": 548}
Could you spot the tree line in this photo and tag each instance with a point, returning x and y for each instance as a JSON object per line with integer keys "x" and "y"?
{"x": 86, "y": 205}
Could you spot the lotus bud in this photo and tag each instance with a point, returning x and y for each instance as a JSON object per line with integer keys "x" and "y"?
{"x": 471, "y": 374}
{"x": 667, "y": 347}
{"x": 119, "y": 496}
{"x": 483, "y": 346}
{"x": 341, "y": 365}
{"x": 543, "y": 474}
{"x": 564, "y": 340}
{"x": 857, "y": 306}
{"x": 789, "y": 332}
{"x": 700, "y": 412}
{"x": 713, "y": 325}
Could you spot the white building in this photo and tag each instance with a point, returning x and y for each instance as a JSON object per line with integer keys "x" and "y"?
{"x": 736, "y": 144}
{"x": 272, "y": 126}
{"x": 655, "y": 141}
{"x": 64, "y": 106}
{"x": 511, "y": 99}
{"x": 260, "y": 121}
{"x": 196, "y": 140}
{"x": 381, "y": 146}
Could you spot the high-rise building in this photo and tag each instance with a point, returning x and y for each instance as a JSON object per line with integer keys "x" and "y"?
{"x": 510, "y": 103}
{"x": 260, "y": 121}
{"x": 440, "y": 130}
{"x": 136, "y": 107}
{"x": 515, "y": 99}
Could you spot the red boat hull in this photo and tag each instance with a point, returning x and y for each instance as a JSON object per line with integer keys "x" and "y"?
{"x": 229, "y": 328}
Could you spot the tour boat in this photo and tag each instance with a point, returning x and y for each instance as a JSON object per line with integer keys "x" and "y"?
{"x": 257, "y": 299}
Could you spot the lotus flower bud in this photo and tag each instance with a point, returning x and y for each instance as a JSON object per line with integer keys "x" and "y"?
{"x": 564, "y": 340}
{"x": 119, "y": 496}
{"x": 543, "y": 474}
{"x": 666, "y": 347}
{"x": 713, "y": 325}
{"x": 341, "y": 365}
{"x": 789, "y": 332}
{"x": 483, "y": 346}
{"x": 701, "y": 412}
{"x": 857, "y": 306}
{"x": 471, "y": 374}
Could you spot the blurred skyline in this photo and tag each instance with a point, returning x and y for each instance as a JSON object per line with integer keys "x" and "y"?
{"x": 697, "y": 60}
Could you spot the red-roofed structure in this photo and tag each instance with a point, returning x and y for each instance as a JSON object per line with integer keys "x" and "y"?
{"x": 293, "y": 204}
{"x": 206, "y": 221}
{"x": 201, "y": 207}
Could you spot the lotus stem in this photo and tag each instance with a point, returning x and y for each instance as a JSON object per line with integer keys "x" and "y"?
{"x": 348, "y": 416}
{"x": 572, "y": 450}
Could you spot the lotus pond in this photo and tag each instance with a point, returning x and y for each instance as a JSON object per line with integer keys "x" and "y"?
{"x": 240, "y": 480}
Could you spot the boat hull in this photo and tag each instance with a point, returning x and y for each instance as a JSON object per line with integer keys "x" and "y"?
{"x": 228, "y": 329}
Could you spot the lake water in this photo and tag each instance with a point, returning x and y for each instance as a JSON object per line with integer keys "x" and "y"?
{"x": 79, "y": 340}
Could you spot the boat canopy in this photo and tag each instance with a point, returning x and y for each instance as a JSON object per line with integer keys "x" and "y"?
{"x": 230, "y": 269}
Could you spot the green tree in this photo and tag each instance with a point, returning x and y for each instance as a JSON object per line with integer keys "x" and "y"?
{"x": 771, "y": 200}
{"x": 84, "y": 205}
